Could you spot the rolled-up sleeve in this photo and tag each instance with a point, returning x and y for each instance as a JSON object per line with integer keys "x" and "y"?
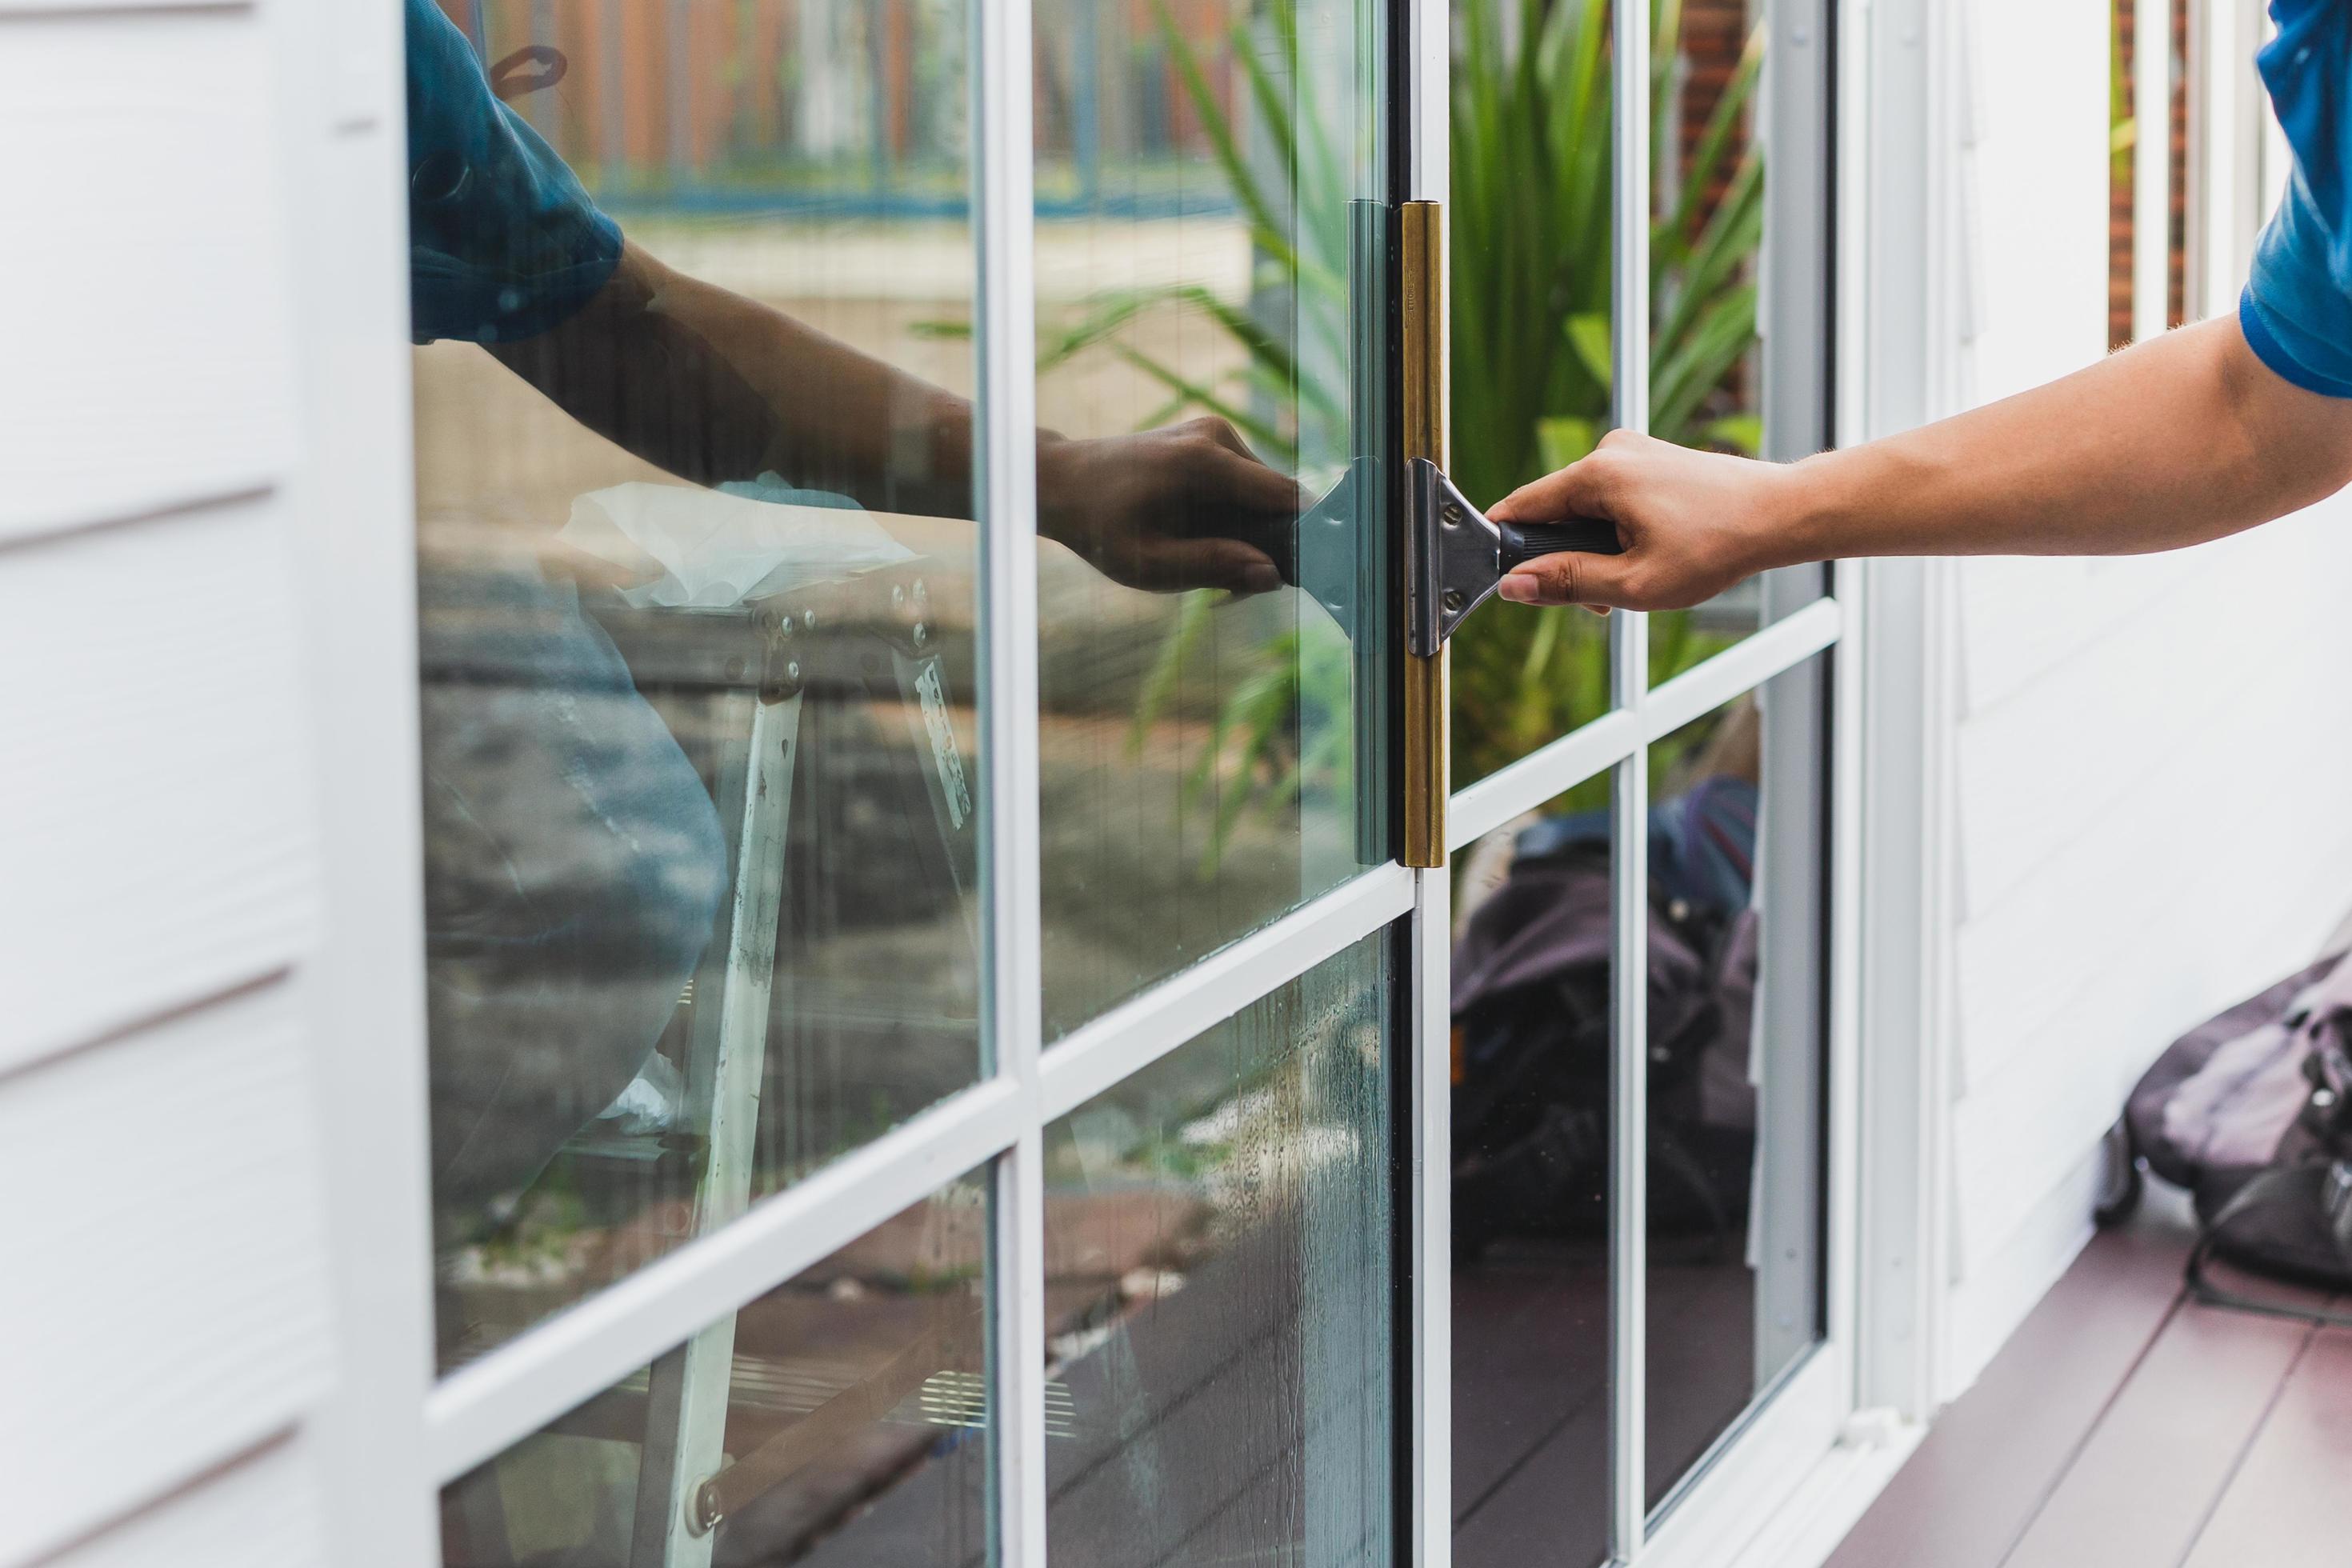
{"x": 503, "y": 241}
{"x": 2296, "y": 310}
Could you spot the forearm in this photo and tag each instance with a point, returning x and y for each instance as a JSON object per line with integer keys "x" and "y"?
{"x": 713, "y": 386}
{"x": 2182, "y": 440}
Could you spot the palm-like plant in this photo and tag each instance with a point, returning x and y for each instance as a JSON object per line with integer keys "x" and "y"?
{"x": 1529, "y": 283}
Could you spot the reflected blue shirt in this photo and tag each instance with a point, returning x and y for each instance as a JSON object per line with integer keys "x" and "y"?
{"x": 2296, "y": 310}
{"x": 503, "y": 241}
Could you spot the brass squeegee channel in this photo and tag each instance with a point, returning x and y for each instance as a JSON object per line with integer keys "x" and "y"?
{"x": 1422, "y": 309}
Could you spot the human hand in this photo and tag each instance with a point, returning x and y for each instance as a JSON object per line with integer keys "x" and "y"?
{"x": 1188, "y": 506}
{"x": 1693, "y": 523}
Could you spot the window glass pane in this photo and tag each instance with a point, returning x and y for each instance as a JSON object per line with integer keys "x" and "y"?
{"x": 1707, "y": 223}
{"x": 1531, "y": 1158}
{"x": 1528, "y": 284}
{"x": 2123, "y": 139}
{"x": 1714, "y": 207}
{"x": 695, "y": 561}
{"x": 1217, "y": 1239}
{"x": 840, "y": 1419}
{"x": 1210, "y": 236}
{"x": 1737, "y": 1049}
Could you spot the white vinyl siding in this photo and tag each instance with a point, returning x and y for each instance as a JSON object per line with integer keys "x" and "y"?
{"x": 168, "y": 1286}
{"x": 2145, "y": 757}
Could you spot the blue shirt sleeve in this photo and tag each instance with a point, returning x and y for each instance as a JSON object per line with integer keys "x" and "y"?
{"x": 2296, "y": 310}
{"x": 503, "y": 242}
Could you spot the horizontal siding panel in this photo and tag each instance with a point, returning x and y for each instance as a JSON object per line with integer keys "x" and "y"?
{"x": 2034, "y": 182}
{"x": 2017, "y": 1128}
{"x": 148, "y": 345}
{"x": 2066, "y": 1083}
{"x": 2050, "y": 763}
{"x": 2004, "y": 1285}
{"x": 2197, "y": 876}
{"x": 2021, "y": 616}
{"x": 263, "y": 1512}
{"x": 2014, "y": 1139}
{"x": 165, "y": 1292}
{"x": 159, "y": 848}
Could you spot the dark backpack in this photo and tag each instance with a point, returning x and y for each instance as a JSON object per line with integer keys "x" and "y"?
{"x": 2247, "y": 1111}
{"x": 1531, "y": 977}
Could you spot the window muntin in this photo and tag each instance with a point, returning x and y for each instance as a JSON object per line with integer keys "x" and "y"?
{"x": 850, "y": 1425}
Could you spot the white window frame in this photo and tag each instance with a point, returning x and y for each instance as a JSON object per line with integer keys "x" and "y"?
{"x": 394, "y": 1435}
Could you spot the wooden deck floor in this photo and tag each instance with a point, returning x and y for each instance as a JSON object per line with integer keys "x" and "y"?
{"x": 2124, "y": 1427}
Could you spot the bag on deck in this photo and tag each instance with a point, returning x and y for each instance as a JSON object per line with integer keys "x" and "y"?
{"x": 2249, "y": 1112}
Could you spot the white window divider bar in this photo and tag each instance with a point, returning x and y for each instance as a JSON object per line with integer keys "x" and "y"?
{"x": 1426, "y": 1035}
{"x": 1429, "y": 1036}
{"x": 2151, "y": 166}
{"x": 1840, "y": 1318}
{"x": 1534, "y": 778}
{"x": 1137, "y": 1033}
{"x": 1704, "y": 687}
{"x": 1629, "y": 1085}
{"x": 1587, "y": 750}
{"x": 1629, "y": 821}
{"x": 488, "y": 1405}
{"x": 1013, "y": 1007}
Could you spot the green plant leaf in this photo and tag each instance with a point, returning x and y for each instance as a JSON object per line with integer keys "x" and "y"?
{"x": 1589, "y": 335}
{"x": 1268, "y": 438}
{"x": 1562, "y": 439}
{"x": 1673, "y": 239}
{"x": 1700, "y": 361}
{"x": 1743, "y": 433}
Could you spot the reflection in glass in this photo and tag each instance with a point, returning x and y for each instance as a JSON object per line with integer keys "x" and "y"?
{"x": 1707, "y": 230}
{"x": 1528, "y": 291}
{"x": 1531, "y": 1159}
{"x": 696, "y": 571}
{"x": 1211, "y": 255}
{"x": 840, "y": 1419}
{"x": 1736, "y": 1063}
{"x": 1217, "y": 1235}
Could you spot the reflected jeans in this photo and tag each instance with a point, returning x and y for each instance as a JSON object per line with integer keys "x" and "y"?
{"x": 574, "y": 867}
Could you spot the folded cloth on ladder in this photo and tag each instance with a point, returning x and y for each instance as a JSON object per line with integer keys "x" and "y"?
{"x": 691, "y": 548}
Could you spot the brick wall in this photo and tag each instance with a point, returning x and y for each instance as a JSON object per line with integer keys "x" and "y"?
{"x": 2120, "y": 195}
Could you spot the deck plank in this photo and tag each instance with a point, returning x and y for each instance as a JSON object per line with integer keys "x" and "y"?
{"x": 1553, "y": 1511}
{"x": 2142, "y": 1486}
{"x": 1995, "y": 1455}
{"x": 1530, "y": 1349}
{"x": 2285, "y": 1507}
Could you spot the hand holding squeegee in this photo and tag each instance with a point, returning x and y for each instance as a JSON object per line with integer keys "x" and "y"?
{"x": 1454, "y": 553}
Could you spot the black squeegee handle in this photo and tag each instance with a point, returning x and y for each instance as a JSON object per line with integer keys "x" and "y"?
{"x": 1524, "y": 541}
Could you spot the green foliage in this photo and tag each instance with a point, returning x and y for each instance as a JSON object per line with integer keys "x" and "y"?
{"x": 1529, "y": 284}
{"x": 1530, "y": 281}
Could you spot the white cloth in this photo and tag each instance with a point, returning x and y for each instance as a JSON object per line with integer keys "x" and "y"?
{"x": 711, "y": 549}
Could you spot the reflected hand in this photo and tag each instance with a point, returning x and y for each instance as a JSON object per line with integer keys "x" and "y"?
{"x": 1188, "y": 506}
{"x": 1693, "y": 523}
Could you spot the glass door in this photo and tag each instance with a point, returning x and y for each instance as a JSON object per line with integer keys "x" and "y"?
{"x": 917, "y": 958}
{"x": 1641, "y": 948}
{"x": 966, "y": 1022}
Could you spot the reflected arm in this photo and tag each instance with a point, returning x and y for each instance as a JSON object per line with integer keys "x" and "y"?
{"x": 714, "y": 387}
